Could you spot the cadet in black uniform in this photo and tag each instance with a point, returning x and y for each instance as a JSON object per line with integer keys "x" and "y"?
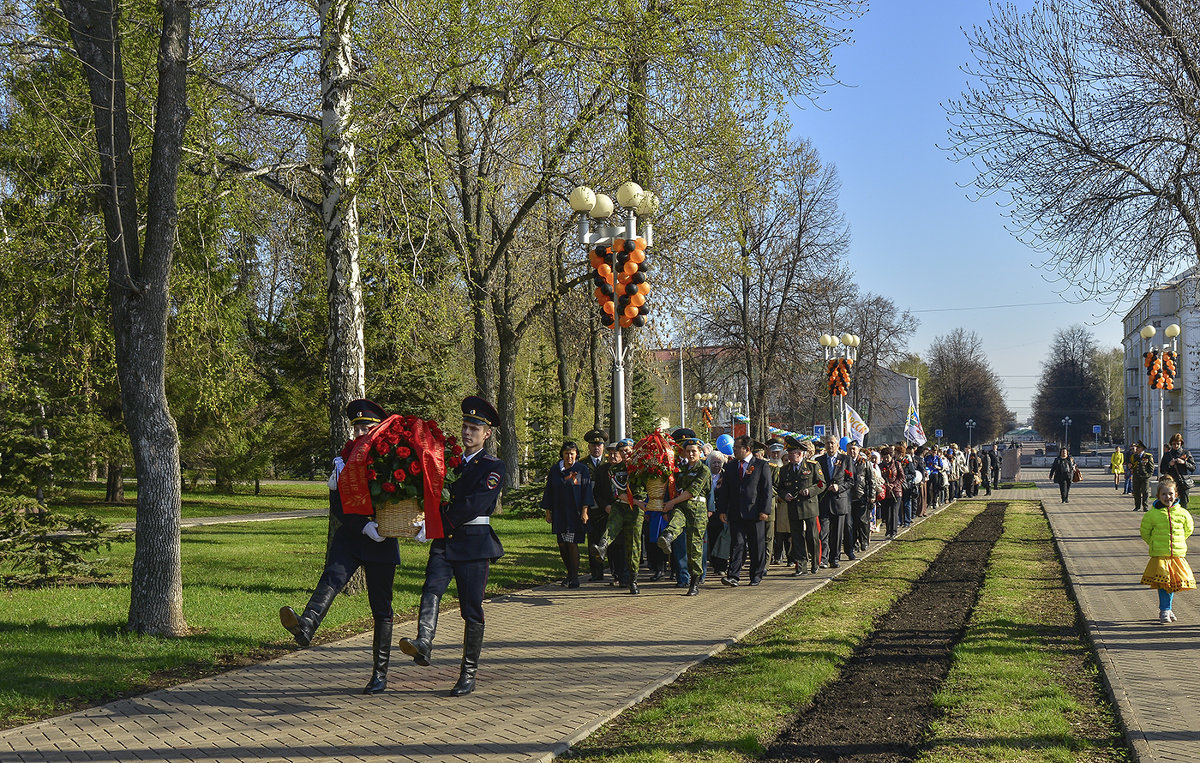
{"x": 597, "y": 517}
{"x": 469, "y": 545}
{"x": 356, "y": 543}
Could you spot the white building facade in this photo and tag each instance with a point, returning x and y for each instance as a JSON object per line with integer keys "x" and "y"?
{"x": 1176, "y": 301}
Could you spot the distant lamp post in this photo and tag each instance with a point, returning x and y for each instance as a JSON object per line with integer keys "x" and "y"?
{"x": 970, "y": 431}
{"x": 734, "y": 408}
{"x": 619, "y": 257}
{"x": 704, "y": 403}
{"x": 1066, "y": 422}
{"x": 1161, "y": 366}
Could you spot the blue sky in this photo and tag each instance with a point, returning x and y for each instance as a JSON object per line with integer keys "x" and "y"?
{"x": 918, "y": 238}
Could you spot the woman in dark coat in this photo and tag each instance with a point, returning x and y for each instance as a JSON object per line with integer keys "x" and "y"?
{"x": 567, "y": 496}
{"x": 1178, "y": 463}
{"x": 1061, "y": 471}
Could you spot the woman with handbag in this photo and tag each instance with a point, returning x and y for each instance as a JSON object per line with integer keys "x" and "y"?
{"x": 1166, "y": 528}
{"x": 1063, "y": 471}
{"x": 1177, "y": 463}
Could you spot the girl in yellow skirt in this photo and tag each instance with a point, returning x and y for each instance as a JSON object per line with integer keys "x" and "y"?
{"x": 1166, "y": 528}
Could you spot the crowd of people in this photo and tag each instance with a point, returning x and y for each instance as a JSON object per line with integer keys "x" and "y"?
{"x": 800, "y": 503}
{"x": 1135, "y": 468}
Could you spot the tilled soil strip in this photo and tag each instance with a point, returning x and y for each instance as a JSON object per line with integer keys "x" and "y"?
{"x": 879, "y": 708}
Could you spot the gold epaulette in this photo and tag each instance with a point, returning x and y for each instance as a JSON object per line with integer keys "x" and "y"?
{"x": 812, "y": 461}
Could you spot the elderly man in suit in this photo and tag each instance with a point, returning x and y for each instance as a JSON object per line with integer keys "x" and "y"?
{"x": 745, "y": 499}
{"x": 835, "y": 501}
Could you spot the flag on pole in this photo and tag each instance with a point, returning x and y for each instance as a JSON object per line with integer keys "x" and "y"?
{"x": 856, "y": 428}
{"x": 913, "y": 431}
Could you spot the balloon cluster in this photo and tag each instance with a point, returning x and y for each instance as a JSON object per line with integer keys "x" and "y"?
{"x": 839, "y": 376}
{"x": 1161, "y": 368}
{"x": 621, "y": 285}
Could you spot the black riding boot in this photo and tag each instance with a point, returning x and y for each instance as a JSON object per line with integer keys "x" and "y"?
{"x": 421, "y": 647}
{"x": 472, "y": 646}
{"x": 381, "y": 653}
{"x": 304, "y": 626}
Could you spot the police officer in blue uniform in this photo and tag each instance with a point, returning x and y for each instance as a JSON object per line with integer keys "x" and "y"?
{"x": 356, "y": 543}
{"x": 469, "y": 547}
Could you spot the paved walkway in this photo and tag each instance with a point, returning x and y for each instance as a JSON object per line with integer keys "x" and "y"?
{"x": 558, "y": 663}
{"x": 1152, "y": 671}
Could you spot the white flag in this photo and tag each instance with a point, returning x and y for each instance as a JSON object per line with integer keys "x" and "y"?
{"x": 856, "y": 428}
{"x": 913, "y": 431}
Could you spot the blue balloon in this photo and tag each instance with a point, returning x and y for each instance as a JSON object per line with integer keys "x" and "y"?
{"x": 842, "y": 443}
{"x": 725, "y": 444}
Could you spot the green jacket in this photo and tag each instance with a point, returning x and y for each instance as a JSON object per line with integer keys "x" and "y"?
{"x": 1167, "y": 537}
{"x": 795, "y": 480}
{"x": 695, "y": 479}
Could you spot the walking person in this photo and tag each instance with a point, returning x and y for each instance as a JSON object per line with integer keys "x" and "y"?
{"x": 995, "y": 465}
{"x": 566, "y": 499}
{"x": 464, "y": 545}
{"x": 1062, "y": 471}
{"x": 1141, "y": 468}
{"x": 835, "y": 501}
{"x": 1178, "y": 464}
{"x": 1117, "y": 463}
{"x": 1166, "y": 528}
{"x": 744, "y": 501}
{"x": 355, "y": 543}
{"x": 626, "y": 514}
{"x": 688, "y": 511}
{"x": 858, "y": 530}
{"x": 893, "y": 481}
{"x": 801, "y": 484}
{"x": 597, "y": 518}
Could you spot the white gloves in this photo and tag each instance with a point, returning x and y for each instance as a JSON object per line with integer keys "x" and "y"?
{"x": 338, "y": 465}
{"x": 371, "y": 530}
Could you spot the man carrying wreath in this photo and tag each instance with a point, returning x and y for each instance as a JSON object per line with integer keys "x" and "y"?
{"x": 464, "y": 544}
{"x": 356, "y": 543}
{"x": 688, "y": 510}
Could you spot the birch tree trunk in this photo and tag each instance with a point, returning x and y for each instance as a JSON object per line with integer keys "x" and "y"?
{"x": 345, "y": 345}
{"x": 138, "y": 286}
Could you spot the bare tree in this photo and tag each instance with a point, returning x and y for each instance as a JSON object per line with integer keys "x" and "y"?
{"x": 962, "y": 386}
{"x": 1071, "y": 385}
{"x": 1086, "y": 113}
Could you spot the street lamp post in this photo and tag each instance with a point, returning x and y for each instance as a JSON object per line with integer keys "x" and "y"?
{"x": 600, "y": 208}
{"x": 840, "y": 354}
{"x": 970, "y": 432}
{"x": 733, "y": 407}
{"x": 704, "y": 404}
{"x": 1066, "y": 422}
{"x": 1162, "y": 372}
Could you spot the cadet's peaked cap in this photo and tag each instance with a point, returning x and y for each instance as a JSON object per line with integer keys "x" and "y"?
{"x": 682, "y": 434}
{"x": 479, "y": 411}
{"x": 793, "y": 442}
{"x": 365, "y": 410}
{"x": 776, "y": 447}
{"x": 596, "y": 437}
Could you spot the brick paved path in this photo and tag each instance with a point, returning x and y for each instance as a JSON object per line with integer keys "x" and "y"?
{"x": 556, "y": 665}
{"x": 1152, "y": 670}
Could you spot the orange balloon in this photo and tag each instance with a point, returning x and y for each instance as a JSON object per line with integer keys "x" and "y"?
{"x": 626, "y": 322}
{"x": 599, "y": 294}
{"x": 643, "y": 288}
{"x": 631, "y": 312}
{"x": 637, "y": 255}
{"x": 605, "y": 271}
{"x": 637, "y": 300}
{"x": 631, "y": 267}
{"x": 608, "y": 307}
{"x": 618, "y": 245}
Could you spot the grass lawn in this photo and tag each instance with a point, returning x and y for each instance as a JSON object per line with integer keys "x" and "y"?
{"x": 1022, "y": 687}
{"x": 63, "y": 648}
{"x": 88, "y": 497}
{"x": 731, "y": 706}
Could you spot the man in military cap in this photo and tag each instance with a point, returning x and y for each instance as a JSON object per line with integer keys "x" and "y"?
{"x": 597, "y": 518}
{"x": 801, "y": 484}
{"x": 776, "y": 452}
{"x": 355, "y": 543}
{"x": 626, "y": 514}
{"x": 466, "y": 545}
{"x": 688, "y": 510}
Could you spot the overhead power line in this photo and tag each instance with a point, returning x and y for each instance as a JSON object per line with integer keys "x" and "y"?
{"x": 983, "y": 307}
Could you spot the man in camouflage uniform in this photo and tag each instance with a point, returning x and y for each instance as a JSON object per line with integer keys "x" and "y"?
{"x": 625, "y": 515}
{"x": 1141, "y": 469}
{"x": 689, "y": 508}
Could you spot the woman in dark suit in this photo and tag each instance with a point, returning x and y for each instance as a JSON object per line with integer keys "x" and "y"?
{"x": 1061, "y": 471}
{"x": 1178, "y": 463}
{"x": 566, "y": 499}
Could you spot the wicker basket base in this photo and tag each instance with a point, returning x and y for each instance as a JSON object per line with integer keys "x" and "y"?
{"x": 397, "y": 518}
{"x": 656, "y": 494}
